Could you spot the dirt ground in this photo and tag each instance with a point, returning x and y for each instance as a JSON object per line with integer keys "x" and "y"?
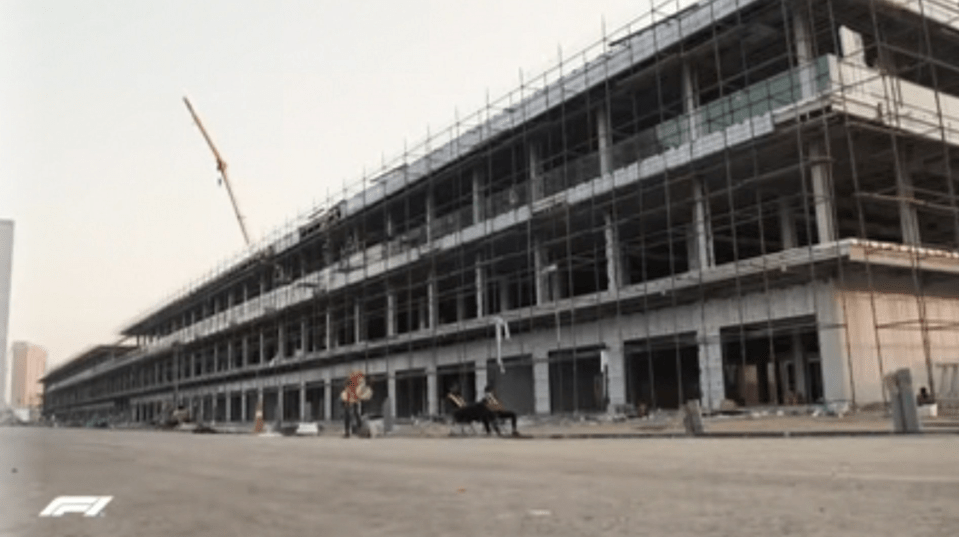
{"x": 167, "y": 483}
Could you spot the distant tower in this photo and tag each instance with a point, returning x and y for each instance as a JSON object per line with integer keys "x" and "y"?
{"x": 29, "y": 364}
{"x": 6, "y": 267}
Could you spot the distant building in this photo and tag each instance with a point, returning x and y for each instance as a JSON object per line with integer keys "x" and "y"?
{"x": 6, "y": 266}
{"x": 29, "y": 365}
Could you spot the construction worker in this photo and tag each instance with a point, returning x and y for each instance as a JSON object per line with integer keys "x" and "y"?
{"x": 356, "y": 390}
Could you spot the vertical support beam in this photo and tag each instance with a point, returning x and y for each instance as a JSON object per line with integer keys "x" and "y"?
{"x": 832, "y": 348}
{"x": 304, "y": 336}
{"x": 481, "y": 377}
{"x": 908, "y": 216}
{"x": 327, "y": 398}
{"x": 245, "y": 349}
{"x": 430, "y": 214}
{"x": 230, "y": 354}
{"x": 357, "y": 321}
{"x": 480, "y": 288}
{"x": 542, "y": 278}
{"x": 711, "y": 383}
{"x": 535, "y": 172}
{"x": 787, "y": 225}
{"x": 328, "y": 334}
{"x": 615, "y": 375}
{"x": 604, "y": 134}
{"x": 391, "y": 391}
{"x": 280, "y": 403}
{"x": 478, "y": 212}
{"x": 702, "y": 247}
{"x": 390, "y": 311}
{"x": 802, "y": 37}
{"x": 820, "y": 171}
{"x": 228, "y": 410}
{"x": 431, "y": 401}
{"x": 280, "y": 339}
{"x": 504, "y": 302}
{"x": 541, "y": 384}
{"x": 613, "y": 253}
{"x": 690, "y": 100}
{"x": 262, "y": 347}
{"x": 302, "y": 400}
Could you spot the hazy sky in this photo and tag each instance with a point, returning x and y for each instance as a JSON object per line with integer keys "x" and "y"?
{"x": 112, "y": 188}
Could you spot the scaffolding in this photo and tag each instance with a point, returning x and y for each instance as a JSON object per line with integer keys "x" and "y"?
{"x": 748, "y": 202}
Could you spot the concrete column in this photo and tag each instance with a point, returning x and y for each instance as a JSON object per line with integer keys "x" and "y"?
{"x": 702, "y": 237}
{"x": 690, "y": 101}
{"x": 391, "y": 390}
{"x": 804, "y": 52}
{"x": 542, "y": 278}
{"x": 304, "y": 336}
{"x": 478, "y": 201}
{"x": 604, "y": 134}
{"x": 432, "y": 296}
{"x": 262, "y": 347}
{"x": 535, "y": 172}
{"x": 615, "y": 375}
{"x": 216, "y": 358}
{"x": 908, "y": 216}
{"x": 357, "y": 321}
{"x": 424, "y": 313}
{"x": 192, "y": 365}
{"x": 280, "y": 339}
{"x": 541, "y": 384}
{"x": 711, "y": 382}
{"x": 390, "y": 312}
{"x": 787, "y": 225}
{"x": 302, "y": 400}
{"x": 613, "y": 254}
{"x": 431, "y": 401}
{"x": 230, "y": 354}
{"x": 328, "y": 335}
{"x": 328, "y": 399}
{"x": 280, "y": 396}
{"x": 481, "y": 377}
{"x": 390, "y": 226}
{"x": 820, "y": 170}
{"x": 228, "y": 410}
{"x": 832, "y": 348}
{"x": 480, "y": 287}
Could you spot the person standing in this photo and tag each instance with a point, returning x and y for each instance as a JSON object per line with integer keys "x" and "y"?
{"x": 353, "y": 394}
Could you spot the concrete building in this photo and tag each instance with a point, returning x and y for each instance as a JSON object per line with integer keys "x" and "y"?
{"x": 749, "y": 200}
{"x": 6, "y": 270}
{"x": 29, "y": 363}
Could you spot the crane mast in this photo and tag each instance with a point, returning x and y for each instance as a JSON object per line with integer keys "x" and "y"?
{"x": 221, "y": 167}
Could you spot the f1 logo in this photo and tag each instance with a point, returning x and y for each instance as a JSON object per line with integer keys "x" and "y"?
{"x": 88, "y": 505}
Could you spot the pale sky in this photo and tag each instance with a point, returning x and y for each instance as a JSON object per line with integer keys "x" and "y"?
{"x": 114, "y": 191}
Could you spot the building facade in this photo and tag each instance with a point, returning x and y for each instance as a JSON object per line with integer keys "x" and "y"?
{"x": 6, "y": 270}
{"x": 29, "y": 363}
{"x": 749, "y": 200}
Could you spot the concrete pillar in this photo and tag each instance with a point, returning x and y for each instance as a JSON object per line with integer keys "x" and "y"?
{"x": 604, "y": 134}
{"x": 390, "y": 311}
{"x": 908, "y": 216}
{"x": 280, "y": 396}
{"x": 481, "y": 377}
{"x": 230, "y": 355}
{"x": 328, "y": 334}
{"x": 480, "y": 287}
{"x": 245, "y": 350}
{"x": 328, "y": 399}
{"x": 832, "y": 348}
{"x": 615, "y": 375}
{"x": 711, "y": 382}
{"x": 432, "y": 296}
{"x": 702, "y": 235}
{"x": 216, "y": 358}
{"x": 263, "y": 348}
{"x": 541, "y": 384}
{"x": 304, "y": 336}
{"x": 478, "y": 200}
{"x": 690, "y": 82}
{"x": 535, "y": 172}
{"x": 391, "y": 390}
{"x": 820, "y": 171}
{"x": 228, "y": 410}
{"x": 787, "y": 225}
{"x": 804, "y": 51}
{"x": 431, "y": 401}
{"x": 542, "y": 277}
{"x": 302, "y": 400}
{"x": 357, "y": 321}
{"x": 424, "y": 312}
{"x": 430, "y": 215}
{"x": 613, "y": 255}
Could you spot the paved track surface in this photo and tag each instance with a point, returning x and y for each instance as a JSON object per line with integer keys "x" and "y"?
{"x": 174, "y": 484}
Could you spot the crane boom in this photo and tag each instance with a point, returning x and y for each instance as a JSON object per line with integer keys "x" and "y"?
{"x": 221, "y": 167}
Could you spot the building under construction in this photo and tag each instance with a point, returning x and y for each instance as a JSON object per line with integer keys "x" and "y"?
{"x": 742, "y": 200}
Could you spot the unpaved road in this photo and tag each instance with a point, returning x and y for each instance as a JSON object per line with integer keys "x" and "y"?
{"x": 172, "y": 484}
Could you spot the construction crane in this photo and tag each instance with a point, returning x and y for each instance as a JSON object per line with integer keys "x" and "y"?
{"x": 221, "y": 167}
